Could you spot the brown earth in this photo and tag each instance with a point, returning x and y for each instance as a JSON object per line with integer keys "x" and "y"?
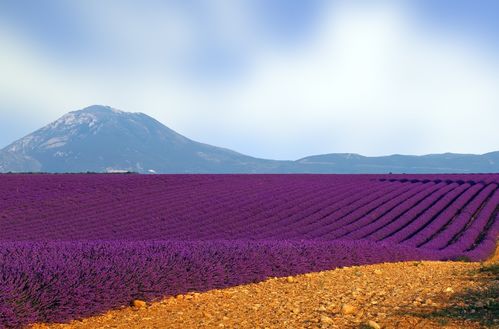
{"x": 390, "y": 295}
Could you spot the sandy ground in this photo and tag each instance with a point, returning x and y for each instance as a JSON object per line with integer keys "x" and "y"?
{"x": 391, "y": 295}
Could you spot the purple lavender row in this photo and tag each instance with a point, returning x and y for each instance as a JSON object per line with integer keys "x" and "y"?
{"x": 458, "y": 224}
{"x": 85, "y": 218}
{"x": 386, "y": 208}
{"x": 344, "y": 215}
{"x": 369, "y": 208}
{"x": 418, "y": 231}
{"x": 395, "y": 213}
{"x": 257, "y": 206}
{"x": 100, "y": 223}
{"x": 392, "y": 231}
{"x": 351, "y": 200}
{"x": 279, "y": 224}
{"x": 327, "y": 215}
{"x": 285, "y": 228}
{"x": 439, "y": 224}
{"x": 448, "y": 178}
{"x": 302, "y": 206}
{"x": 478, "y": 241}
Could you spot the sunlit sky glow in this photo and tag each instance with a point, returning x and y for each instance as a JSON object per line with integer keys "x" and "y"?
{"x": 278, "y": 79}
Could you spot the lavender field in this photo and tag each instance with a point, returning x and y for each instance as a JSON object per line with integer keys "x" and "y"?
{"x": 78, "y": 244}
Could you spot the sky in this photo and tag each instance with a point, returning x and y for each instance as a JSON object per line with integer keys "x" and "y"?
{"x": 280, "y": 79}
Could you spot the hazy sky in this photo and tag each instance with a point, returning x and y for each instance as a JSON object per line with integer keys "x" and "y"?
{"x": 278, "y": 79}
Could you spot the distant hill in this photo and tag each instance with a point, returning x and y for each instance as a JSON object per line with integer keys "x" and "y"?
{"x": 432, "y": 163}
{"x": 103, "y": 139}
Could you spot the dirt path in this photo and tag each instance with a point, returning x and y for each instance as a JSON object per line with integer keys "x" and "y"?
{"x": 399, "y": 295}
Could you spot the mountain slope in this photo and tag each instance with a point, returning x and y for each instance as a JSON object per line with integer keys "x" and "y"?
{"x": 101, "y": 139}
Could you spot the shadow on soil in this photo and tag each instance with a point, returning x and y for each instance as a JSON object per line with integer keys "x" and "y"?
{"x": 479, "y": 305}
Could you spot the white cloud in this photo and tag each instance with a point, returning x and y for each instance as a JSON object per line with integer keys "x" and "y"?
{"x": 373, "y": 80}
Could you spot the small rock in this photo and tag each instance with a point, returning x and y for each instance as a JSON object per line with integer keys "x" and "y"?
{"x": 448, "y": 290}
{"x": 378, "y": 272}
{"x": 290, "y": 279}
{"x": 296, "y": 310}
{"x": 359, "y": 315}
{"x": 326, "y": 319}
{"x": 347, "y": 309}
{"x": 139, "y": 303}
{"x": 372, "y": 324}
{"x": 225, "y": 318}
{"x": 332, "y": 308}
{"x": 322, "y": 308}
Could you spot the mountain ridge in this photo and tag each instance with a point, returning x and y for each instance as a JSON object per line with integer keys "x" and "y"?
{"x": 103, "y": 139}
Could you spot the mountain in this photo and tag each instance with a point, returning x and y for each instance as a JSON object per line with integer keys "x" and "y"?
{"x": 103, "y": 139}
{"x": 432, "y": 163}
